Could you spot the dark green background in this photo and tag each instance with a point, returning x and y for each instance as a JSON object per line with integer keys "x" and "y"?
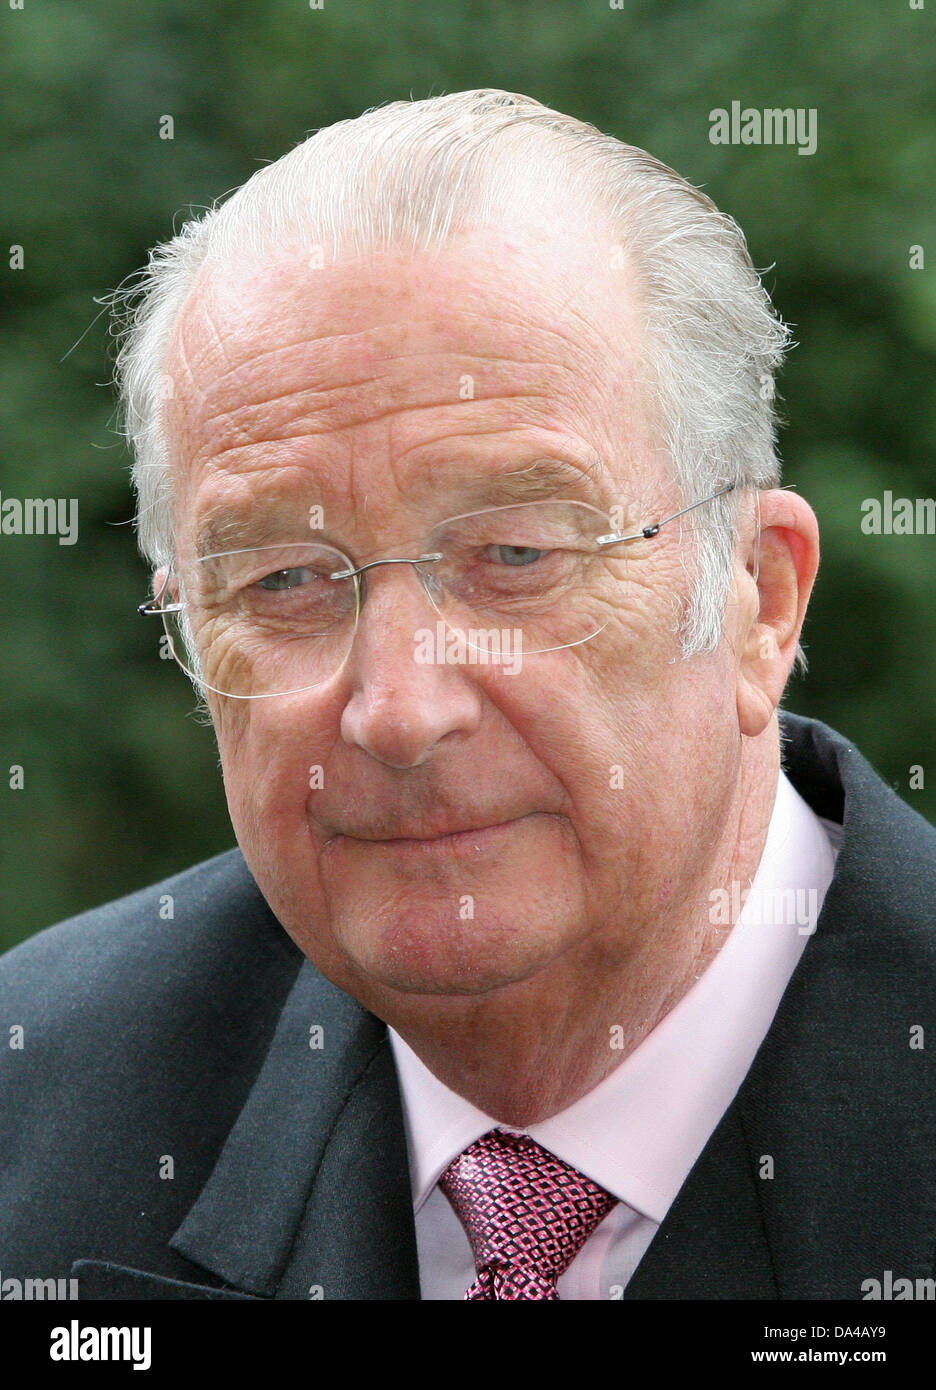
{"x": 122, "y": 786}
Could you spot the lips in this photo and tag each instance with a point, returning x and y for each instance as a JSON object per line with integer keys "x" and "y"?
{"x": 453, "y": 837}
{"x": 440, "y": 830}
{"x": 478, "y": 836}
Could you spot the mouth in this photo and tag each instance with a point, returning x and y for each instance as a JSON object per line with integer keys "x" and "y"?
{"x": 470, "y": 842}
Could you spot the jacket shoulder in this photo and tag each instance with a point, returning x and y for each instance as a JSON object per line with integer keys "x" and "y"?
{"x": 132, "y": 1035}
{"x": 194, "y": 931}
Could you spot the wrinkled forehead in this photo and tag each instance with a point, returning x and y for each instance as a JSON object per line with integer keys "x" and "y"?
{"x": 293, "y": 356}
{"x": 573, "y": 281}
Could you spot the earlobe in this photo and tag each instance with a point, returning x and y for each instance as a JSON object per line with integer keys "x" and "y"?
{"x": 762, "y": 676}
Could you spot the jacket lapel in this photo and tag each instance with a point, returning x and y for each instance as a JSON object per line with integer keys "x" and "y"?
{"x": 310, "y": 1196}
{"x": 357, "y": 1239}
{"x": 712, "y": 1243}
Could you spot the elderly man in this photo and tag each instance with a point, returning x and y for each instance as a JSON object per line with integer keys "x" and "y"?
{"x": 552, "y": 962}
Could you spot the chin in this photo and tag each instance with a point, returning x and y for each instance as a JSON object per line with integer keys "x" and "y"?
{"x": 428, "y": 949}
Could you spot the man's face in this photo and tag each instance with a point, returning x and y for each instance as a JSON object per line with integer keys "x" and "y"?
{"x": 602, "y": 768}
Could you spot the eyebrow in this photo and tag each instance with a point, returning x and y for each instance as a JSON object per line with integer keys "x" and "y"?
{"x": 541, "y": 480}
{"x": 228, "y": 526}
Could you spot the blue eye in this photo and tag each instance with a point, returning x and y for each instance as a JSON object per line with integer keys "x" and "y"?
{"x": 285, "y": 579}
{"x": 519, "y": 554}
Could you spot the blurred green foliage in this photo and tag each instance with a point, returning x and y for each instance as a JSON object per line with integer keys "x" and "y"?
{"x": 121, "y": 784}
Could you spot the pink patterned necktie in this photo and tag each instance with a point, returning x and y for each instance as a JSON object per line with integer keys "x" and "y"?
{"x": 526, "y": 1213}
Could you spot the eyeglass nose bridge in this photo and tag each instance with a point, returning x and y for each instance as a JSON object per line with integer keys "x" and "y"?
{"x": 352, "y": 573}
{"x": 429, "y": 582}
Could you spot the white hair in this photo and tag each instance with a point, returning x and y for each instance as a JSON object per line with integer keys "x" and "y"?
{"x": 411, "y": 173}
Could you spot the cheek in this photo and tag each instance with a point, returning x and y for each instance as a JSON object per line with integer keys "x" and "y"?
{"x": 631, "y": 729}
{"x": 269, "y": 761}
{"x": 584, "y": 719}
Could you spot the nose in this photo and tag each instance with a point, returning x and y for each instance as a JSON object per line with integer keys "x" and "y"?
{"x": 401, "y": 703}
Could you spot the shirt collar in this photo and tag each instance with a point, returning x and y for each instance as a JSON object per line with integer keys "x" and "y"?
{"x": 639, "y": 1132}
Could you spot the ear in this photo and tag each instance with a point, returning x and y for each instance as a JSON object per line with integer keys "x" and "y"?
{"x": 165, "y": 593}
{"x": 776, "y": 589}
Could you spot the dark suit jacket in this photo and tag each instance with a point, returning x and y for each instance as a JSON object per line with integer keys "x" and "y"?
{"x": 152, "y": 1040}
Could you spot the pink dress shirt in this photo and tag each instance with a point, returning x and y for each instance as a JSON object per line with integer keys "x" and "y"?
{"x": 639, "y": 1132}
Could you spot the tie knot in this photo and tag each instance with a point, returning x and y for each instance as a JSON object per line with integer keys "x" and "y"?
{"x": 526, "y": 1213}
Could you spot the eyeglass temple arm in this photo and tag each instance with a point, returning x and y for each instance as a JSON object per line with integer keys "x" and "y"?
{"x": 648, "y": 532}
{"x": 152, "y": 607}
